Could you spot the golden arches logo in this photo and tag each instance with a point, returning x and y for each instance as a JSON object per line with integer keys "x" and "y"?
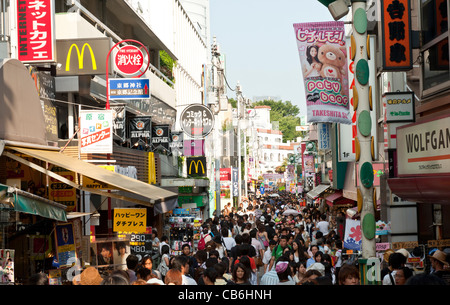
{"x": 80, "y": 56}
{"x": 196, "y": 164}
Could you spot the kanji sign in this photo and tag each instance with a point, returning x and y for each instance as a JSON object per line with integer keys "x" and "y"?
{"x": 96, "y": 131}
{"x": 130, "y": 220}
{"x": 129, "y": 59}
{"x": 35, "y": 30}
{"x": 129, "y": 88}
{"x": 396, "y": 33}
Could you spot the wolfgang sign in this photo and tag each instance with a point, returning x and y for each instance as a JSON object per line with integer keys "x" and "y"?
{"x": 424, "y": 148}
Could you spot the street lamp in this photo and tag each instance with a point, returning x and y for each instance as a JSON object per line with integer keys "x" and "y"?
{"x": 337, "y": 8}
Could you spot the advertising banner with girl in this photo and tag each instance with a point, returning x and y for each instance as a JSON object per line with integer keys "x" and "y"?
{"x": 323, "y": 57}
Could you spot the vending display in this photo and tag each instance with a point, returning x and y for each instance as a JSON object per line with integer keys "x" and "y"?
{"x": 183, "y": 225}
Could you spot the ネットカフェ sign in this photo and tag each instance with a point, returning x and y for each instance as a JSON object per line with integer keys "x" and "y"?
{"x": 197, "y": 120}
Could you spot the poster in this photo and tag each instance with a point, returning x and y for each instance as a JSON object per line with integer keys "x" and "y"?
{"x": 160, "y": 137}
{"x": 6, "y": 266}
{"x": 352, "y": 236}
{"x": 65, "y": 244}
{"x": 323, "y": 57}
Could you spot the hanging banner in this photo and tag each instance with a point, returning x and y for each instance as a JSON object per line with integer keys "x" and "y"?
{"x": 176, "y": 142}
{"x": 96, "y": 131}
{"x": 140, "y": 129}
{"x": 160, "y": 137}
{"x": 352, "y": 236}
{"x": 323, "y": 57}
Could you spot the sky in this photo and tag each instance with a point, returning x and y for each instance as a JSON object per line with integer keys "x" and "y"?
{"x": 258, "y": 40}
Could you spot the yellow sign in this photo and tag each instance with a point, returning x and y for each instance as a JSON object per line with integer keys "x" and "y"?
{"x": 80, "y": 56}
{"x": 95, "y": 184}
{"x": 130, "y": 220}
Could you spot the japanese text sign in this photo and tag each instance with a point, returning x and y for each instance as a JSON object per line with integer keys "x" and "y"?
{"x": 323, "y": 57}
{"x": 130, "y": 220}
{"x": 35, "y": 30}
{"x": 129, "y": 59}
{"x": 96, "y": 131}
{"x": 396, "y": 34}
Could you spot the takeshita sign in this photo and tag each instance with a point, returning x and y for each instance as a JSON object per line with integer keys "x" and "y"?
{"x": 424, "y": 148}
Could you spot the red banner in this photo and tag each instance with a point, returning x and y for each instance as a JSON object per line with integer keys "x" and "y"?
{"x": 35, "y": 37}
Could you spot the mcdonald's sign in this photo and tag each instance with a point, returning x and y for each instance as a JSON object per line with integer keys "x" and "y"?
{"x": 196, "y": 166}
{"x": 82, "y": 56}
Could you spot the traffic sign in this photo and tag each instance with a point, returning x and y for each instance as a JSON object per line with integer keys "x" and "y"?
{"x": 129, "y": 88}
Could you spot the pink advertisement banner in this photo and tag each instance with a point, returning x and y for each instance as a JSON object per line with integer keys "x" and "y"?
{"x": 323, "y": 57}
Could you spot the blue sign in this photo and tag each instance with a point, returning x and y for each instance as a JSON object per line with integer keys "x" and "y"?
{"x": 129, "y": 88}
{"x": 262, "y": 189}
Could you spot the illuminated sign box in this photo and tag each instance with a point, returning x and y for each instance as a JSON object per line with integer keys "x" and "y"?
{"x": 399, "y": 107}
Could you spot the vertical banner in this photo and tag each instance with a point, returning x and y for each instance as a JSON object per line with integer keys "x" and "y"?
{"x": 352, "y": 236}
{"x": 119, "y": 122}
{"x": 96, "y": 131}
{"x": 160, "y": 137}
{"x": 396, "y": 34}
{"x": 235, "y": 181}
{"x": 140, "y": 130}
{"x": 176, "y": 142}
{"x": 323, "y": 58}
{"x": 35, "y": 31}
{"x": 65, "y": 243}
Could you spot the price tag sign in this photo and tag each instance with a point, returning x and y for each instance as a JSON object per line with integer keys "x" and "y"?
{"x": 141, "y": 245}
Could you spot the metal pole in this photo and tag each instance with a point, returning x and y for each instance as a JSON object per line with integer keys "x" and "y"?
{"x": 238, "y": 101}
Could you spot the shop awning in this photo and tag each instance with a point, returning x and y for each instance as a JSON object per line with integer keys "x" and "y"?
{"x": 32, "y": 204}
{"x": 338, "y": 199}
{"x": 151, "y": 193}
{"x": 317, "y": 191}
{"x": 425, "y": 189}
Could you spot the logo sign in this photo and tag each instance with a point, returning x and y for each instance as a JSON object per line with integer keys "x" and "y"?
{"x": 35, "y": 31}
{"x": 129, "y": 60}
{"x": 399, "y": 107}
{"x": 160, "y": 136}
{"x": 196, "y": 166}
{"x": 130, "y": 220}
{"x": 129, "y": 88}
{"x": 96, "y": 131}
{"x": 396, "y": 35}
{"x": 197, "y": 120}
{"x": 82, "y": 56}
{"x": 140, "y": 128}
{"x": 424, "y": 148}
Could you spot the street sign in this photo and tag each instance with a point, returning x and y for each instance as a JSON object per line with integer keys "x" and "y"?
{"x": 129, "y": 59}
{"x": 129, "y": 88}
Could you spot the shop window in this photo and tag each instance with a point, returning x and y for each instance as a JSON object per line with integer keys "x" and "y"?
{"x": 434, "y": 19}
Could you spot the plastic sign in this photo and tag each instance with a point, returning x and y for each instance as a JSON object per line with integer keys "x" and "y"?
{"x": 96, "y": 131}
{"x": 35, "y": 31}
{"x": 197, "y": 120}
{"x": 196, "y": 166}
{"x": 396, "y": 34}
{"x": 129, "y": 59}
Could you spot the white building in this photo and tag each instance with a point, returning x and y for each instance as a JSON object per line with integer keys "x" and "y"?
{"x": 266, "y": 148}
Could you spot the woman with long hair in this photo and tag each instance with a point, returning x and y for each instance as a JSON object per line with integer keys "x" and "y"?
{"x": 312, "y": 64}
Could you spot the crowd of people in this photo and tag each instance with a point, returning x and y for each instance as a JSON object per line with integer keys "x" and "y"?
{"x": 265, "y": 241}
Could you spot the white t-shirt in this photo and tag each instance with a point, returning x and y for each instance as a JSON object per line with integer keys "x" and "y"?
{"x": 229, "y": 242}
{"x": 323, "y": 227}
